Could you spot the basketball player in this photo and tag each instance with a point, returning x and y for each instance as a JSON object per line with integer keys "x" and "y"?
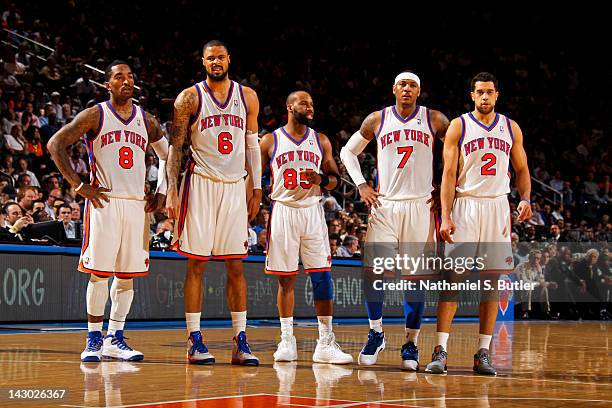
{"x": 116, "y": 237}
{"x": 401, "y": 209}
{"x": 302, "y": 164}
{"x": 478, "y": 150}
{"x": 220, "y": 116}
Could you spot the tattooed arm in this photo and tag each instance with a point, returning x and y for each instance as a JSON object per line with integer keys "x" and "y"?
{"x": 185, "y": 105}
{"x": 85, "y": 122}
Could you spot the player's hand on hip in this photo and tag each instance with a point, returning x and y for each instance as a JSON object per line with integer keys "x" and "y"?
{"x": 155, "y": 202}
{"x": 524, "y": 210}
{"x": 254, "y": 203}
{"x": 172, "y": 203}
{"x": 95, "y": 194}
{"x": 311, "y": 176}
{"x": 447, "y": 229}
{"x": 369, "y": 195}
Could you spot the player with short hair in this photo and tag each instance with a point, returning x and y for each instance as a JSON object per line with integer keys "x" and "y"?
{"x": 116, "y": 237}
{"x": 478, "y": 150}
{"x": 302, "y": 165}
{"x": 220, "y": 117}
{"x": 401, "y": 217}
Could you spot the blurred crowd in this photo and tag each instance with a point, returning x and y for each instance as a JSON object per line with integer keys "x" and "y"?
{"x": 45, "y": 82}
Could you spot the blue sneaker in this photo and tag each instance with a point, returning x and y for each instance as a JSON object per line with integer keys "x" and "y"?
{"x": 375, "y": 344}
{"x": 116, "y": 348}
{"x": 197, "y": 352}
{"x": 93, "y": 348}
{"x": 410, "y": 357}
{"x": 241, "y": 353}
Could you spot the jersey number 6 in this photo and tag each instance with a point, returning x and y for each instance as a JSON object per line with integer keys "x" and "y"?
{"x": 224, "y": 143}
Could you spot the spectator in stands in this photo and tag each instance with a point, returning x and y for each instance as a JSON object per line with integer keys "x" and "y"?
{"x": 596, "y": 285}
{"x": 536, "y": 218}
{"x": 558, "y": 270}
{"x": 26, "y": 197}
{"x": 38, "y": 205}
{"x": 261, "y": 220}
{"x": 54, "y": 195}
{"x": 65, "y": 216}
{"x": 59, "y": 111}
{"x": 33, "y": 145}
{"x": 334, "y": 244}
{"x": 51, "y": 182}
{"x": 76, "y": 212}
{"x": 568, "y": 194}
{"x": 163, "y": 234}
{"x": 15, "y": 221}
{"x": 15, "y": 143}
{"x": 76, "y": 161}
{"x": 85, "y": 89}
{"x": 28, "y": 117}
{"x": 333, "y": 227}
{"x": 349, "y": 248}
{"x": 9, "y": 119}
{"x": 531, "y": 272}
{"x": 262, "y": 239}
{"x": 7, "y": 165}
{"x": 51, "y": 125}
{"x": 556, "y": 182}
{"x": 151, "y": 170}
{"x": 555, "y": 233}
{"x": 591, "y": 189}
{"x": 22, "y": 168}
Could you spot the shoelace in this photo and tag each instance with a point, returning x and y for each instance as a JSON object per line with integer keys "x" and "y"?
{"x": 199, "y": 345}
{"x": 243, "y": 345}
{"x": 370, "y": 347}
{"x": 120, "y": 342}
{"x": 409, "y": 348}
{"x": 441, "y": 355}
{"x": 485, "y": 358}
{"x": 94, "y": 344}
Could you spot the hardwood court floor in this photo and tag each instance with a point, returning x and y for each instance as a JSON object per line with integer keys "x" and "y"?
{"x": 539, "y": 364}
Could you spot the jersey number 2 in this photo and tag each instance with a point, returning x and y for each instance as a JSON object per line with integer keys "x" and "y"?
{"x": 487, "y": 169}
{"x": 126, "y": 157}
{"x": 224, "y": 143}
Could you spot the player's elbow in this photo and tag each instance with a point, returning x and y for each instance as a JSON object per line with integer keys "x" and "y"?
{"x": 346, "y": 154}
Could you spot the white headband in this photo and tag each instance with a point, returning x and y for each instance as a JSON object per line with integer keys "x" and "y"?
{"x": 407, "y": 75}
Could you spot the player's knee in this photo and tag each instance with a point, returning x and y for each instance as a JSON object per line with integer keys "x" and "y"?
{"x": 286, "y": 283}
{"x": 195, "y": 266}
{"x": 123, "y": 283}
{"x": 449, "y": 296}
{"x": 322, "y": 286}
{"x": 489, "y": 296}
{"x": 97, "y": 278}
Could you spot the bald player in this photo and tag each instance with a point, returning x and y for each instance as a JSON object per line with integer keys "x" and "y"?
{"x": 302, "y": 165}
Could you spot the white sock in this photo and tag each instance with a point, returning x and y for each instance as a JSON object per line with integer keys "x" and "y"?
{"x": 122, "y": 294}
{"x": 325, "y": 326}
{"x": 442, "y": 339}
{"x": 413, "y": 335}
{"x": 239, "y": 320}
{"x": 97, "y": 295}
{"x": 193, "y": 322}
{"x": 94, "y": 326}
{"x": 376, "y": 325}
{"x": 286, "y": 326}
{"x": 484, "y": 341}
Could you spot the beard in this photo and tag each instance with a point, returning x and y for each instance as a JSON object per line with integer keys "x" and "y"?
{"x": 216, "y": 77}
{"x": 485, "y": 111}
{"x": 302, "y": 119}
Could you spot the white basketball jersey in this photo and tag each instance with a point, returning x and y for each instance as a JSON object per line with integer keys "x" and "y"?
{"x": 117, "y": 152}
{"x": 289, "y": 159}
{"x": 218, "y": 133}
{"x": 405, "y": 154}
{"x": 484, "y": 160}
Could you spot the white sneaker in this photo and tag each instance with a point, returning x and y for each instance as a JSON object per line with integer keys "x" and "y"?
{"x": 287, "y": 349}
{"x": 329, "y": 352}
{"x": 93, "y": 348}
{"x": 116, "y": 347}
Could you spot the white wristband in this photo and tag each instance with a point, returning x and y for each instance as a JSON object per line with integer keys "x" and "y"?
{"x": 76, "y": 190}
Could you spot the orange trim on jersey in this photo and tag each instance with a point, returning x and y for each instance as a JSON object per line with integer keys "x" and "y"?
{"x": 231, "y": 256}
{"x": 192, "y": 256}
{"x": 86, "y": 231}
{"x": 313, "y": 270}
{"x": 271, "y": 272}
{"x": 83, "y": 269}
